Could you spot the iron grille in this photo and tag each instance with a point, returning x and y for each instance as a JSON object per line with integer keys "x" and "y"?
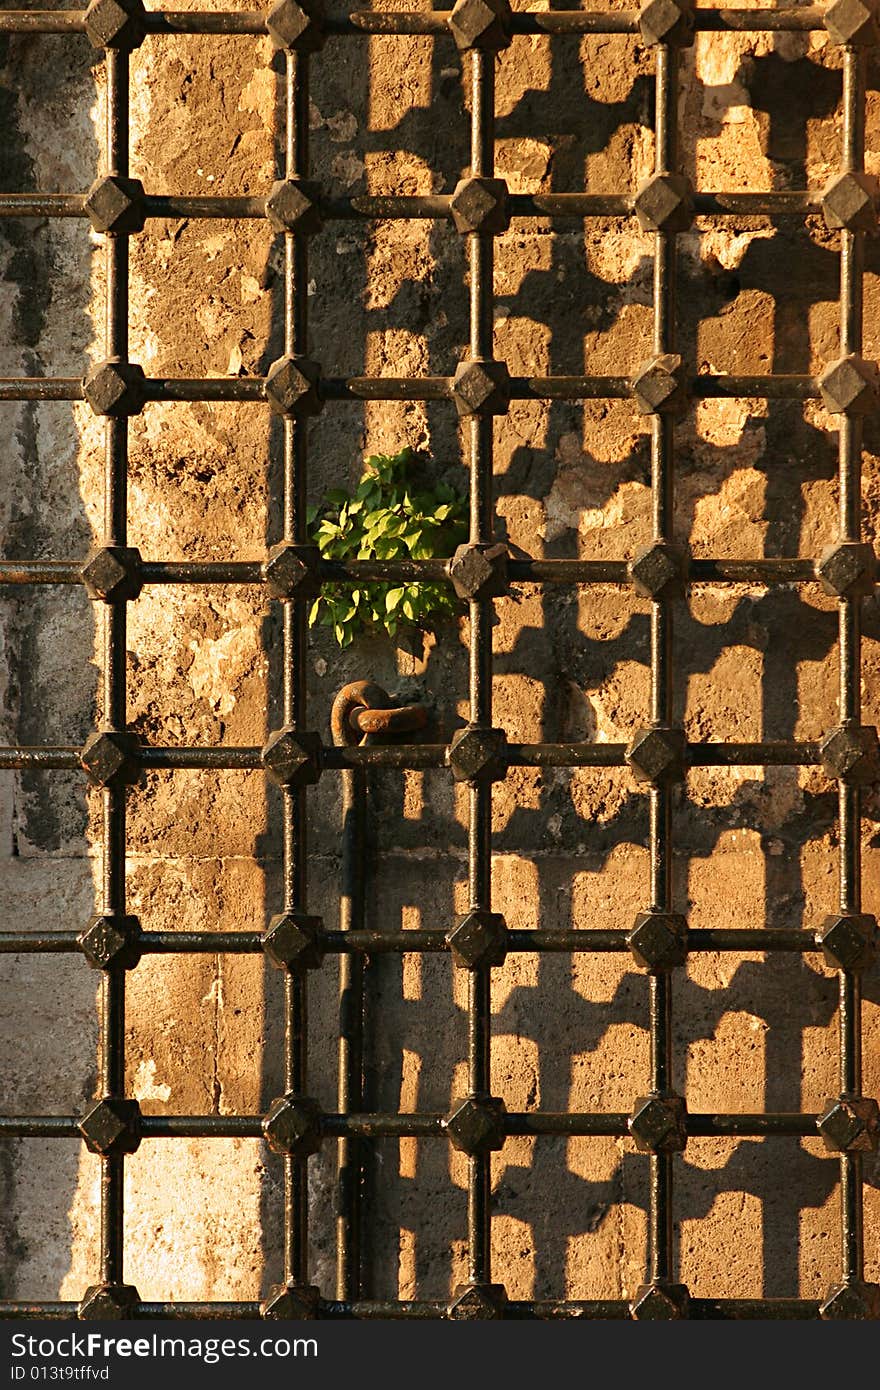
{"x": 479, "y": 754}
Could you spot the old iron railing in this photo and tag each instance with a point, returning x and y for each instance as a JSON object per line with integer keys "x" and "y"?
{"x": 478, "y": 754}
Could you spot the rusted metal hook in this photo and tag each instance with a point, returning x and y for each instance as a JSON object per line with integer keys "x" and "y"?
{"x": 363, "y": 708}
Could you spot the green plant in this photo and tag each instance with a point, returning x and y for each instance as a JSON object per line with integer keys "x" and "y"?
{"x": 386, "y": 518}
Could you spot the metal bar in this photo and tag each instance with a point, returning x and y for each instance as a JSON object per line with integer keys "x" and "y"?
{"x": 375, "y": 941}
{"x": 375, "y": 1126}
{"x": 363, "y": 207}
{"x": 421, "y": 757}
{"x": 660, "y": 1190}
{"x": 111, "y": 1061}
{"x": 350, "y": 1085}
{"x": 731, "y": 1308}
{"x": 520, "y": 571}
{"x": 478, "y": 74}
{"x": 434, "y": 23}
{"x": 437, "y": 388}
{"x": 295, "y": 646}
{"x": 852, "y": 259}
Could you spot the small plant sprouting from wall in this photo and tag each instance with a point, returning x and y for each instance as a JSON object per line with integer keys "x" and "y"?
{"x": 386, "y": 518}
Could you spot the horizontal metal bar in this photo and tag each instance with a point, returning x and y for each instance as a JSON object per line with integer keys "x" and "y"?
{"x": 428, "y": 388}
{"x": 43, "y": 22}
{"x": 42, "y": 205}
{"x": 427, "y": 22}
{"x": 202, "y": 572}
{"x": 541, "y": 1124}
{"x": 38, "y": 943}
{"x": 236, "y": 943}
{"x": 372, "y": 942}
{"x": 380, "y": 207}
{"x": 39, "y": 1127}
{"x": 520, "y": 571}
{"x": 421, "y": 756}
{"x": 759, "y": 571}
{"x": 40, "y": 759}
{"x": 779, "y": 754}
{"x": 226, "y": 758}
{"x": 754, "y": 1126}
{"x": 776, "y": 1309}
{"x": 201, "y": 1126}
{"x": 575, "y": 1309}
{"x": 41, "y": 388}
{"x": 220, "y": 388}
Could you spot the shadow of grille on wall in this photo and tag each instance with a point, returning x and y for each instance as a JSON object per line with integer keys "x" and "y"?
{"x": 480, "y": 755}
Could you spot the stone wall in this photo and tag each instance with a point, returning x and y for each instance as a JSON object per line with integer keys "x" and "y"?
{"x": 757, "y": 846}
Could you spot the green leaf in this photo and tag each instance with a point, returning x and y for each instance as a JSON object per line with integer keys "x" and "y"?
{"x": 383, "y": 518}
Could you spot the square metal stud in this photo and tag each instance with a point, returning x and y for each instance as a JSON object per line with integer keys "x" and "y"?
{"x": 111, "y": 942}
{"x": 853, "y": 22}
{"x": 291, "y": 1303}
{"x": 479, "y": 571}
{"x": 293, "y": 758}
{"x": 657, "y": 570}
{"x": 660, "y": 1302}
{"x": 293, "y": 206}
{"x": 297, "y": 25}
{"x": 849, "y": 941}
{"x": 657, "y": 755}
{"x": 293, "y": 387}
{"x": 478, "y": 938}
{"x": 292, "y": 941}
{"x": 478, "y": 755}
{"x": 663, "y": 203}
{"x": 112, "y": 758}
{"x": 116, "y": 205}
{"x": 857, "y": 1301}
{"x": 480, "y": 205}
{"x": 116, "y": 389}
{"x": 667, "y": 21}
{"x": 476, "y": 1126}
{"x": 849, "y": 386}
{"x": 116, "y": 23}
{"x": 112, "y": 573}
{"x": 481, "y": 24}
{"x": 850, "y": 1125}
{"x": 475, "y": 1302}
{"x": 108, "y": 1303}
{"x": 293, "y": 571}
{"x": 659, "y": 385}
{"x": 112, "y": 1126}
{"x": 850, "y": 753}
{"x": 850, "y": 200}
{"x": 292, "y": 1125}
{"x": 658, "y": 940}
{"x": 847, "y": 568}
{"x": 658, "y": 1124}
{"x": 481, "y": 387}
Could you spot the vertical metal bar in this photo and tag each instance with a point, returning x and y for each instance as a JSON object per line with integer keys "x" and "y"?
{"x": 660, "y": 1251}
{"x": 351, "y": 1037}
{"x": 481, "y": 258}
{"x": 849, "y": 656}
{"x": 295, "y": 641}
{"x": 112, "y": 1005}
